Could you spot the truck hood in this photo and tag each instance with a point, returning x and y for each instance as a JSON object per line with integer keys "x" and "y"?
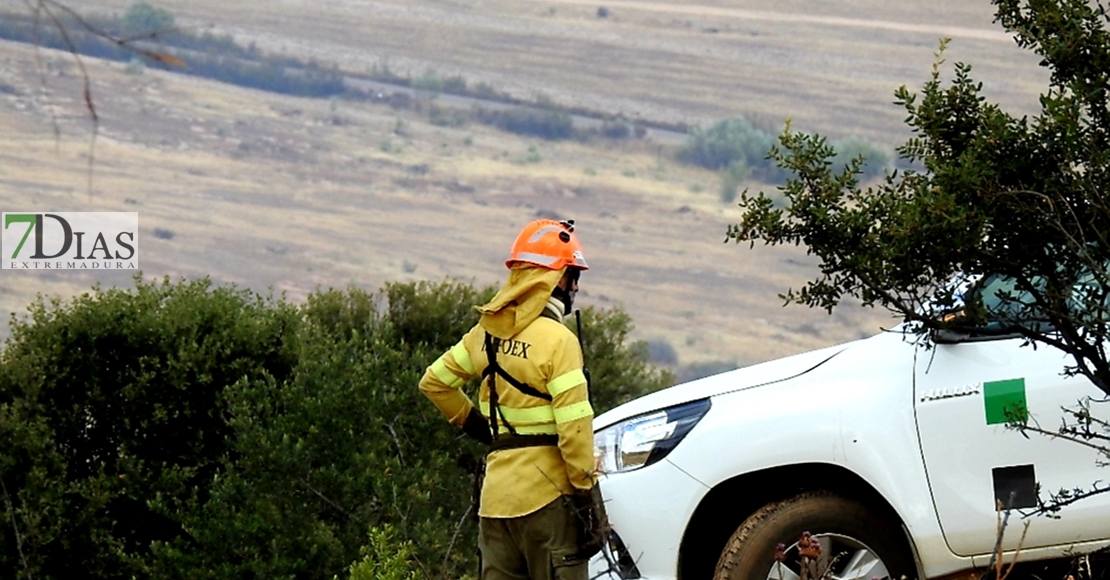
{"x": 758, "y": 375}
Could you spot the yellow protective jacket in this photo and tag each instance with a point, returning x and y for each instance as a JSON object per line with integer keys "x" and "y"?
{"x": 545, "y": 355}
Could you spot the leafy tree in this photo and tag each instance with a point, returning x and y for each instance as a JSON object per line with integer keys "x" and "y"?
{"x": 112, "y": 419}
{"x": 343, "y": 445}
{"x": 433, "y": 314}
{"x": 1014, "y": 208}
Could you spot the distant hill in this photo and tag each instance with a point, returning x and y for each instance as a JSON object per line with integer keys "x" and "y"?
{"x": 294, "y": 193}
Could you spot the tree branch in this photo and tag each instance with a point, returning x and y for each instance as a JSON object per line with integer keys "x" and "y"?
{"x": 315, "y": 491}
{"x": 15, "y": 527}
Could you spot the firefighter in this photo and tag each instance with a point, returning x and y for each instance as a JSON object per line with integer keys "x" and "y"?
{"x": 541, "y": 516}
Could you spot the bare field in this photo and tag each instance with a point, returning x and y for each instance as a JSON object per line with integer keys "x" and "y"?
{"x": 295, "y": 194}
{"x": 830, "y": 66}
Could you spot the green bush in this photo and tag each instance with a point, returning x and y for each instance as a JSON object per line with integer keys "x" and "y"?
{"x": 434, "y": 315}
{"x": 726, "y": 142}
{"x": 486, "y": 91}
{"x": 547, "y": 124}
{"x": 182, "y": 430}
{"x": 385, "y": 558}
{"x": 615, "y": 129}
{"x": 113, "y": 418}
{"x": 430, "y": 82}
{"x": 345, "y": 444}
{"x": 619, "y": 369}
{"x": 447, "y": 116}
{"x": 875, "y": 160}
{"x": 661, "y": 351}
{"x": 741, "y": 149}
{"x": 433, "y": 83}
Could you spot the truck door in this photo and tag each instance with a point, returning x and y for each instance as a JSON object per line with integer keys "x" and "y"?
{"x": 965, "y": 394}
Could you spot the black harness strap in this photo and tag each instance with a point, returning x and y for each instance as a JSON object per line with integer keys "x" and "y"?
{"x": 491, "y": 372}
{"x": 495, "y": 367}
{"x": 518, "y": 441}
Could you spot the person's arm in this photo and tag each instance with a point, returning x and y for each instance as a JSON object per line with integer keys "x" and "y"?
{"x": 574, "y": 419}
{"x": 570, "y": 401}
{"x": 442, "y": 384}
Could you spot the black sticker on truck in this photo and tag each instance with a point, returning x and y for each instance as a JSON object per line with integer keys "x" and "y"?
{"x": 1015, "y": 486}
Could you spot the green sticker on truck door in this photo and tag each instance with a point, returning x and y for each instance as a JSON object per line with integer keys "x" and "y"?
{"x": 1005, "y": 401}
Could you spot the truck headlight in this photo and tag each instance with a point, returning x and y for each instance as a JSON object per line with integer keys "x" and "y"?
{"x": 643, "y": 440}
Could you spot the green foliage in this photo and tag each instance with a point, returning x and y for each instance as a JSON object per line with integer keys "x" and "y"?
{"x": 548, "y": 124}
{"x": 385, "y": 74}
{"x": 433, "y": 83}
{"x": 447, "y": 117}
{"x": 1020, "y": 198}
{"x": 430, "y": 82}
{"x": 742, "y": 150}
{"x": 661, "y": 351}
{"x": 385, "y": 558}
{"x": 725, "y": 142}
{"x": 619, "y": 369}
{"x": 269, "y": 74}
{"x": 485, "y": 90}
{"x": 433, "y": 314}
{"x": 145, "y": 18}
{"x": 533, "y": 156}
{"x": 186, "y": 430}
{"x": 732, "y": 142}
{"x": 111, "y": 417}
{"x": 616, "y": 128}
{"x": 874, "y": 160}
{"x": 340, "y": 446}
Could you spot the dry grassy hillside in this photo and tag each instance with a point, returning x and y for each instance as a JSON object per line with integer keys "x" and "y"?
{"x": 271, "y": 191}
{"x": 830, "y": 66}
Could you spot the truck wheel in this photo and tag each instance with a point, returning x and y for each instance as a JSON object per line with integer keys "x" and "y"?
{"x": 854, "y": 543}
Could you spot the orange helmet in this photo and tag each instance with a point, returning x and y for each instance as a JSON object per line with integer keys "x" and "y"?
{"x": 549, "y": 244}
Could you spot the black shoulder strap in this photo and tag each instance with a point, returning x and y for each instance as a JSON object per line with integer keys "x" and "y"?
{"x": 492, "y": 371}
{"x": 494, "y": 367}
{"x": 491, "y": 381}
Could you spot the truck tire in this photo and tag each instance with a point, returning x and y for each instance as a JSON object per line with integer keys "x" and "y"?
{"x": 856, "y": 542}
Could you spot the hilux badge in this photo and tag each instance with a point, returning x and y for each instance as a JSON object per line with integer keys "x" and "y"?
{"x": 950, "y": 392}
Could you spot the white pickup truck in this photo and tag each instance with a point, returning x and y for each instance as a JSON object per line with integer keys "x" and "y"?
{"x": 892, "y": 452}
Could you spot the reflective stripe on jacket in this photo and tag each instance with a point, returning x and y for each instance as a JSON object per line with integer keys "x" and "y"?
{"x": 546, "y": 356}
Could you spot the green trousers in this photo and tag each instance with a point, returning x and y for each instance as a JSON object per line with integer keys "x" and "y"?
{"x": 532, "y": 547}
